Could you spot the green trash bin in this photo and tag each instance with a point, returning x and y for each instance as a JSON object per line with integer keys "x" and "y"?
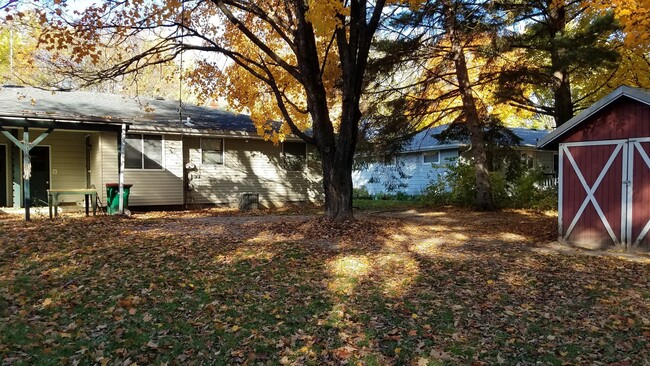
{"x": 113, "y": 200}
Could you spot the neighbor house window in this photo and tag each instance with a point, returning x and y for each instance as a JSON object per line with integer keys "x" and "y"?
{"x": 294, "y": 155}
{"x": 527, "y": 160}
{"x": 212, "y": 151}
{"x": 389, "y": 160}
{"x": 432, "y": 157}
{"x": 143, "y": 151}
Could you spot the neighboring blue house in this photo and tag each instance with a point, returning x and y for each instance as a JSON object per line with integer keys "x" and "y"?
{"x": 424, "y": 159}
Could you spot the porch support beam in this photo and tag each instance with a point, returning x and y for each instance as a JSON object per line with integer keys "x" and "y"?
{"x": 13, "y": 139}
{"x": 27, "y": 171}
{"x": 16, "y": 179}
{"x": 40, "y": 138}
{"x": 57, "y": 124}
{"x": 25, "y": 146}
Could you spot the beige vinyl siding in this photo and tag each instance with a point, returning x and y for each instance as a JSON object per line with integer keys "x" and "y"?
{"x": 151, "y": 187}
{"x": 250, "y": 166}
{"x": 109, "y": 164}
{"x": 96, "y": 163}
{"x": 67, "y": 160}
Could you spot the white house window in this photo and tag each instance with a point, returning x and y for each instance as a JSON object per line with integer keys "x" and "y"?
{"x": 212, "y": 151}
{"x": 390, "y": 160}
{"x": 431, "y": 157}
{"x": 527, "y": 160}
{"x": 143, "y": 151}
{"x": 294, "y": 155}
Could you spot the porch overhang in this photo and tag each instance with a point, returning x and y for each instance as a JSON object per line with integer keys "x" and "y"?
{"x": 50, "y": 123}
{"x": 61, "y": 123}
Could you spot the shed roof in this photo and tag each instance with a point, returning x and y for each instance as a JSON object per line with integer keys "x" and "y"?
{"x": 622, "y": 91}
{"x": 18, "y": 101}
{"x": 426, "y": 140}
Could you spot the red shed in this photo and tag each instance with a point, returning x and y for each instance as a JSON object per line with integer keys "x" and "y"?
{"x": 604, "y": 172}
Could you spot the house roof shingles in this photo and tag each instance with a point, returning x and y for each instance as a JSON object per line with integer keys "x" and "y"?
{"x": 425, "y": 140}
{"x": 113, "y": 108}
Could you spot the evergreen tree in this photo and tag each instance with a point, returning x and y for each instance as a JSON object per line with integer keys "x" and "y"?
{"x": 442, "y": 66}
{"x": 560, "y": 46}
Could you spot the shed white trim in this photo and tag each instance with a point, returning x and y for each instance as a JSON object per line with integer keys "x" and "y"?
{"x": 624, "y": 90}
{"x": 591, "y": 190}
{"x": 636, "y": 145}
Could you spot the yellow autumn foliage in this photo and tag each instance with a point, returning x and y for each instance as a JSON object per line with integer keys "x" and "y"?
{"x": 481, "y": 70}
{"x": 634, "y": 16}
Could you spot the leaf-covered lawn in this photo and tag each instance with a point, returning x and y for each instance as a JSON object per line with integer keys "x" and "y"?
{"x": 443, "y": 287}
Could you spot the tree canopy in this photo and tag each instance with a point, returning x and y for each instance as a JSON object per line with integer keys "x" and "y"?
{"x": 313, "y": 68}
{"x": 301, "y": 63}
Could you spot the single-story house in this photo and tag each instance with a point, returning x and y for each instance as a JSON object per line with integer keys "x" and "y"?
{"x": 604, "y": 180}
{"x": 424, "y": 159}
{"x": 175, "y": 156}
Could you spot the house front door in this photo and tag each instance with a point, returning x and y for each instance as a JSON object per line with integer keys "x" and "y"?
{"x": 3, "y": 176}
{"x": 40, "y": 178}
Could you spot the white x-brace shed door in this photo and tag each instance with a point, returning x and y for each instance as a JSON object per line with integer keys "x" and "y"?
{"x": 591, "y": 192}
{"x": 604, "y": 192}
{"x": 638, "y": 193}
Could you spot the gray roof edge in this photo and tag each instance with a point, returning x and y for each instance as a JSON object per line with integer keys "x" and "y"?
{"x": 202, "y": 132}
{"x": 432, "y": 148}
{"x": 623, "y": 90}
{"x": 64, "y": 118}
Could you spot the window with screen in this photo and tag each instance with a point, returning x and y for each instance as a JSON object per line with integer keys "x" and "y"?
{"x": 143, "y": 151}
{"x": 432, "y": 157}
{"x": 294, "y": 155}
{"x": 527, "y": 160}
{"x": 212, "y": 151}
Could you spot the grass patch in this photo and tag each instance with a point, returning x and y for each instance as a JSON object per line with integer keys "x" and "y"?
{"x": 151, "y": 290}
{"x": 387, "y": 205}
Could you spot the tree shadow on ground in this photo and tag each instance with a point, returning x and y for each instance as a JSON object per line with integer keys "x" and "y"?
{"x": 452, "y": 287}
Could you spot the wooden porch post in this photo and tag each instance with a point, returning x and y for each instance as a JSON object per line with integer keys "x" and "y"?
{"x": 25, "y": 146}
{"x": 16, "y": 176}
{"x": 27, "y": 172}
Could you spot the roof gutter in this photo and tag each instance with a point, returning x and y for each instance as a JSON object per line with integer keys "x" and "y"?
{"x": 202, "y": 132}
{"x": 59, "y": 123}
{"x": 71, "y": 119}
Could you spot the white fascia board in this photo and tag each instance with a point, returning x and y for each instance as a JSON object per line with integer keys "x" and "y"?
{"x": 201, "y": 132}
{"x": 433, "y": 148}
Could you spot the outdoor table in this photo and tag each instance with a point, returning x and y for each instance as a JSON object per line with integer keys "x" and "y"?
{"x": 53, "y": 198}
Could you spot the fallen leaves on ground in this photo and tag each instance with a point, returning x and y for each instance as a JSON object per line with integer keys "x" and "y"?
{"x": 424, "y": 288}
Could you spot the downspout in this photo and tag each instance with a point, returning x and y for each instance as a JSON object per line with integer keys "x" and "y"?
{"x": 121, "y": 170}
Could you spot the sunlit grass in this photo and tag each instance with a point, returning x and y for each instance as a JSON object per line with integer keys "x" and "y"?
{"x": 453, "y": 290}
{"x": 346, "y": 273}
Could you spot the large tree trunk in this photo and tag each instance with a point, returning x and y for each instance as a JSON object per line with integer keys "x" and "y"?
{"x": 563, "y": 104}
{"x": 337, "y": 148}
{"x": 561, "y": 86}
{"x": 483, "y": 200}
{"x": 337, "y": 184}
